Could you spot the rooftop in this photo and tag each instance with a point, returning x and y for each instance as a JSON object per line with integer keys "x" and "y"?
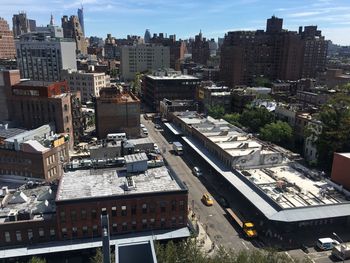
{"x": 33, "y": 201}
{"x": 86, "y": 184}
{"x": 172, "y": 77}
{"x": 137, "y": 157}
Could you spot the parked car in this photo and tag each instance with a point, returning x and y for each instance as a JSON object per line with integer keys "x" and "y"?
{"x": 207, "y": 199}
{"x": 157, "y": 126}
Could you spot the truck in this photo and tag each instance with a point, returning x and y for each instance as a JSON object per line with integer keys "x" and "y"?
{"x": 247, "y": 226}
{"x": 177, "y": 147}
{"x": 341, "y": 251}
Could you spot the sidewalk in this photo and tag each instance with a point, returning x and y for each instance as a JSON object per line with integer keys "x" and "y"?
{"x": 203, "y": 238}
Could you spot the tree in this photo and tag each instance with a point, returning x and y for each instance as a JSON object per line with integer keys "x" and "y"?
{"x": 335, "y": 136}
{"x": 190, "y": 251}
{"x": 256, "y": 118}
{"x": 262, "y": 82}
{"x": 278, "y": 132}
{"x": 216, "y": 111}
{"x": 37, "y": 260}
{"x": 233, "y": 118}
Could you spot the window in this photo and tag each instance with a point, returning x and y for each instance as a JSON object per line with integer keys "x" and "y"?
{"x": 173, "y": 221}
{"x": 73, "y": 215}
{"x": 52, "y": 232}
{"x": 144, "y": 209}
{"x": 124, "y": 212}
{"x": 114, "y": 211}
{"x": 144, "y": 223}
{"x": 63, "y": 216}
{"x": 182, "y": 205}
{"x": 152, "y": 208}
{"x": 162, "y": 207}
{"x": 152, "y": 222}
{"x": 133, "y": 209}
{"x": 64, "y": 232}
{"x": 124, "y": 226}
{"x": 85, "y": 230}
{"x": 41, "y": 232}
{"x": 83, "y": 214}
{"x": 74, "y": 231}
{"x": 7, "y": 237}
{"x": 133, "y": 225}
{"x": 181, "y": 220}
{"x": 93, "y": 214}
{"x": 30, "y": 234}
{"x": 114, "y": 228}
{"x": 94, "y": 230}
{"x": 162, "y": 222}
{"x": 19, "y": 235}
{"x": 173, "y": 205}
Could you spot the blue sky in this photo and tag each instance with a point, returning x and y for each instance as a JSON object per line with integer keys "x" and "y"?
{"x": 186, "y": 17}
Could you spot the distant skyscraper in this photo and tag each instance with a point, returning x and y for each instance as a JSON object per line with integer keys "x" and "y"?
{"x": 72, "y": 29}
{"x": 22, "y": 25}
{"x": 81, "y": 19}
{"x": 52, "y": 22}
{"x": 147, "y": 37}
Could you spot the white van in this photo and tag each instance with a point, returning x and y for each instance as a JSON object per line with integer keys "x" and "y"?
{"x": 326, "y": 243}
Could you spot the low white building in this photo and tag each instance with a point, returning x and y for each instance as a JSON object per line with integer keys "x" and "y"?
{"x": 89, "y": 84}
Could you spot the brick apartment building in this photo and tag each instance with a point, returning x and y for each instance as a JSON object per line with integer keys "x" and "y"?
{"x": 71, "y": 211}
{"x": 170, "y": 85}
{"x": 7, "y": 43}
{"x": 35, "y": 103}
{"x": 274, "y": 54}
{"x": 33, "y": 154}
{"x": 117, "y": 111}
{"x": 200, "y": 50}
{"x": 340, "y": 169}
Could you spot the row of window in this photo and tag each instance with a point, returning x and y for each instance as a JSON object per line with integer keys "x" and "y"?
{"x": 30, "y": 234}
{"x": 145, "y": 208}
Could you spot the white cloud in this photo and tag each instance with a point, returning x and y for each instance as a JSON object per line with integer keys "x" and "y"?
{"x": 338, "y": 35}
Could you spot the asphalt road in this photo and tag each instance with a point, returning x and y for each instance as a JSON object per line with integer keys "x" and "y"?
{"x": 221, "y": 231}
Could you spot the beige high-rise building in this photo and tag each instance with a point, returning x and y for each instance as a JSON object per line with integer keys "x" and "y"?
{"x": 89, "y": 84}
{"x": 7, "y": 44}
{"x": 72, "y": 29}
{"x": 141, "y": 58}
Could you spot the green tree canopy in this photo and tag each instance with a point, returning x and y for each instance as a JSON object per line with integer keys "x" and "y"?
{"x": 216, "y": 111}
{"x": 278, "y": 132}
{"x": 256, "y": 118}
{"x": 233, "y": 118}
{"x": 37, "y": 260}
{"x": 189, "y": 251}
{"x": 335, "y": 135}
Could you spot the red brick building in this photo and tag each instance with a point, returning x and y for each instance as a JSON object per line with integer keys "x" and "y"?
{"x": 341, "y": 169}
{"x": 41, "y": 213}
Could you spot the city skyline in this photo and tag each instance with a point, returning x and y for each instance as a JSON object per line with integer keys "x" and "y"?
{"x": 214, "y": 18}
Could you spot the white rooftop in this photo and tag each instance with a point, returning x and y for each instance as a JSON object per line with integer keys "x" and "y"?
{"x": 83, "y": 184}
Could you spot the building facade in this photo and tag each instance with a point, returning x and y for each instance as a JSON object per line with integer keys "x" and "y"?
{"x": 42, "y": 57}
{"x": 170, "y": 85}
{"x": 88, "y": 84}
{"x": 273, "y": 54}
{"x": 116, "y": 112}
{"x": 7, "y": 79}
{"x": 340, "y": 169}
{"x": 200, "y": 50}
{"x": 73, "y": 29}
{"x": 141, "y": 58}
{"x": 33, "y": 154}
{"x": 7, "y": 44}
{"x": 22, "y": 25}
{"x": 35, "y": 103}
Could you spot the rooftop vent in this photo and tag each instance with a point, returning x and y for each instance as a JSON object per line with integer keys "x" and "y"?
{"x": 130, "y": 183}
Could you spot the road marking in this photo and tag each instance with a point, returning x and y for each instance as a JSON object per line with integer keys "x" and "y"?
{"x": 292, "y": 259}
{"x": 313, "y": 261}
{"x": 246, "y": 247}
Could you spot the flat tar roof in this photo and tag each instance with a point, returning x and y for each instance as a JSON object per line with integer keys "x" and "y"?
{"x": 87, "y": 184}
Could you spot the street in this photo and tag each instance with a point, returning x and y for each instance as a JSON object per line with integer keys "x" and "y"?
{"x": 213, "y": 219}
